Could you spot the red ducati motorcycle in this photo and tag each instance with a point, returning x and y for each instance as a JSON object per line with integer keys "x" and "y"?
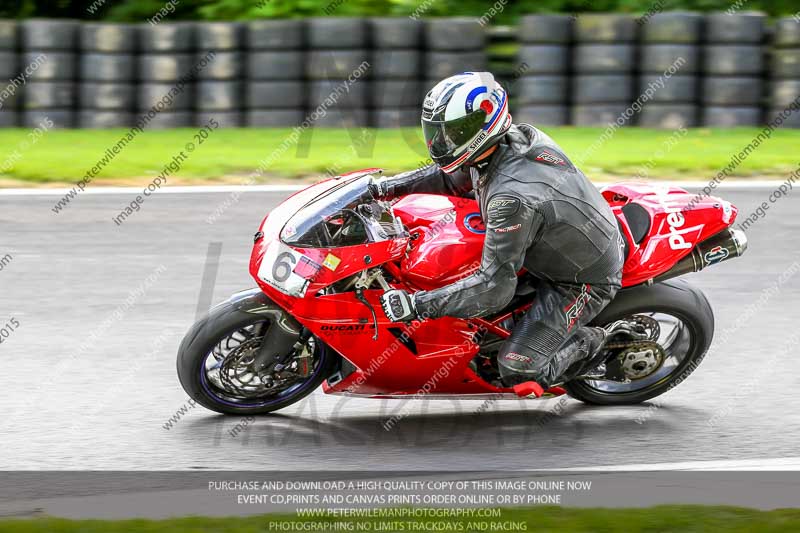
{"x": 324, "y": 256}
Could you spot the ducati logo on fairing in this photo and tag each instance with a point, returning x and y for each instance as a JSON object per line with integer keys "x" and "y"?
{"x": 348, "y": 327}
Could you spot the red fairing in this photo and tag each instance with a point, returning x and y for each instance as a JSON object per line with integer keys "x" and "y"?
{"x": 271, "y": 227}
{"x": 443, "y": 244}
{"x": 349, "y": 259}
{"x": 678, "y": 221}
{"x": 449, "y": 238}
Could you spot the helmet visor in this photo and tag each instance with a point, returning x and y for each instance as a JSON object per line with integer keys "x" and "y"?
{"x": 444, "y": 138}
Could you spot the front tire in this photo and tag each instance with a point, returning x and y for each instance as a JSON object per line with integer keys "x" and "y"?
{"x": 229, "y": 320}
{"x": 694, "y": 319}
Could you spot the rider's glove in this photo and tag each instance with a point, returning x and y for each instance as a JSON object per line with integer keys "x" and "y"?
{"x": 378, "y": 189}
{"x": 398, "y": 305}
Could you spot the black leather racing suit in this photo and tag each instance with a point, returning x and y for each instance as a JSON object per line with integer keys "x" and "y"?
{"x": 543, "y": 214}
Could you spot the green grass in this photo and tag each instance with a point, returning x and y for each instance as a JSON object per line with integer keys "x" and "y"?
{"x": 66, "y": 155}
{"x": 504, "y": 49}
{"x": 678, "y": 518}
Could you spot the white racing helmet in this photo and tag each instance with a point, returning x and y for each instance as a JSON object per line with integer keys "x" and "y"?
{"x": 463, "y": 116}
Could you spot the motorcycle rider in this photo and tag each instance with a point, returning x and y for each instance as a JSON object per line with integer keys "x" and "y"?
{"x": 541, "y": 213}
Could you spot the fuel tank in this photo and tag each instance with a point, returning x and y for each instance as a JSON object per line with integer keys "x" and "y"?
{"x": 447, "y": 238}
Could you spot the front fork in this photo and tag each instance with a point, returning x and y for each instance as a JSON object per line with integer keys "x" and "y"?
{"x": 281, "y": 337}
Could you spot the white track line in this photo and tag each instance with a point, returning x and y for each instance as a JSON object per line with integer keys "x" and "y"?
{"x": 183, "y": 189}
{"x": 775, "y": 464}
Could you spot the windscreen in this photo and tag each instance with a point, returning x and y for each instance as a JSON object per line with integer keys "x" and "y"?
{"x": 345, "y": 215}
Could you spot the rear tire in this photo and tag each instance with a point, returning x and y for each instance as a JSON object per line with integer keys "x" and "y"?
{"x": 676, "y": 298}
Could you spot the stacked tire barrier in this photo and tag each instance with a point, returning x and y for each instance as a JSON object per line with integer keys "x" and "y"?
{"x": 49, "y": 93}
{"x": 9, "y": 69}
{"x": 669, "y": 63}
{"x": 453, "y": 45}
{"x": 501, "y": 57}
{"x": 107, "y": 90}
{"x": 541, "y": 94}
{"x": 219, "y": 87}
{"x": 785, "y": 71}
{"x": 275, "y": 87}
{"x": 604, "y": 58}
{"x": 397, "y": 91}
{"x": 584, "y": 69}
{"x": 733, "y": 70}
{"x": 166, "y": 57}
{"x": 338, "y": 47}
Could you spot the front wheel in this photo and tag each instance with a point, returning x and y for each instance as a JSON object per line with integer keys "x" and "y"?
{"x": 215, "y": 360}
{"x": 686, "y": 328}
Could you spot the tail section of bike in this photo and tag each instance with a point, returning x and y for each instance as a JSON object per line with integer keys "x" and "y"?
{"x": 668, "y": 227}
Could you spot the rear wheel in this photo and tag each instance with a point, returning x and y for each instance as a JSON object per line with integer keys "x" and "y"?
{"x": 686, "y": 328}
{"x": 215, "y": 361}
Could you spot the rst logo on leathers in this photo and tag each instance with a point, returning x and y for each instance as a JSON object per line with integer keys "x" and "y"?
{"x": 574, "y": 310}
{"x": 501, "y": 206}
{"x": 499, "y": 202}
{"x": 551, "y": 158}
{"x": 513, "y": 356}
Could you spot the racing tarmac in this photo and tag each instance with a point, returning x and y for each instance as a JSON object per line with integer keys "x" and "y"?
{"x": 89, "y": 371}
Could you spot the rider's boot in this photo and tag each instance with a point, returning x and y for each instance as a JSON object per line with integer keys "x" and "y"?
{"x": 528, "y": 389}
{"x": 595, "y": 366}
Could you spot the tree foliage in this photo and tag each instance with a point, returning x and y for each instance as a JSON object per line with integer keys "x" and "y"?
{"x": 139, "y": 10}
